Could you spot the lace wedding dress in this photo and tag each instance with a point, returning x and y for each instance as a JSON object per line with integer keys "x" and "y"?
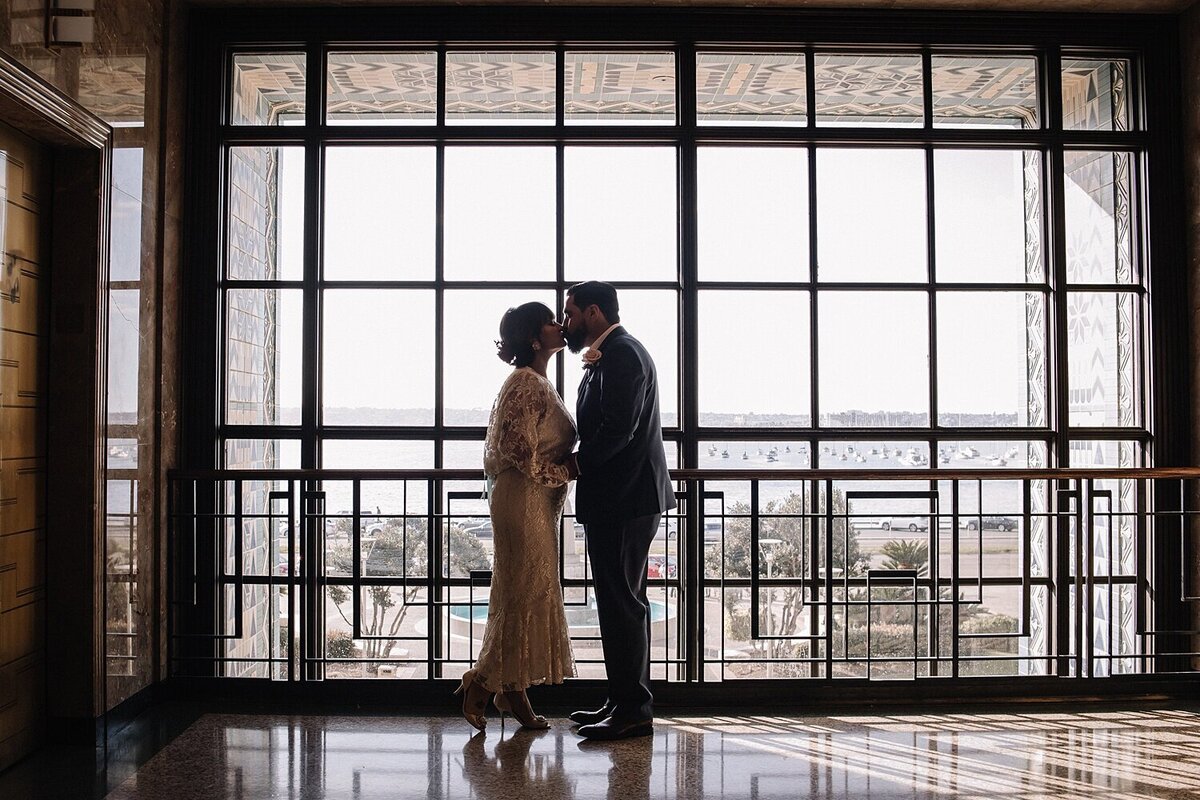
{"x": 526, "y": 642}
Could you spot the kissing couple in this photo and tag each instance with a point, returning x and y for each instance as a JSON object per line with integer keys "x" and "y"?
{"x": 623, "y": 487}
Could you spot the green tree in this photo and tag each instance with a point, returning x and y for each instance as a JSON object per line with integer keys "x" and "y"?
{"x": 903, "y": 554}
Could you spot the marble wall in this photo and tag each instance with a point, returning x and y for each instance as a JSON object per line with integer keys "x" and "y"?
{"x": 120, "y": 78}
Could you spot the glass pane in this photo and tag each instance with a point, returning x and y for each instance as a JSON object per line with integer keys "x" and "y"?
{"x": 473, "y": 373}
{"x": 265, "y": 226}
{"x": 124, "y": 342}
{"x": 873, "y": 359}
{"x": 1086, "y": 454}
{"x": 754, "y": 377}
{"x": 620, "y": 89}
{"x": 380, "y": 213}
{"x": 377, "y": 354}
{"x": 753, "y": 213}
{"x": 500, "y": 88}
{"x": 652, "y": 317}
{"x": 125, "y": 229}
{"x": 751, "y": 89}
{"x": 974, "y": 92}
{"x": 977, "y": 454}
{"x": 868, "y": 90}
{"x": 621, "y": 219}
{"x": 1099, "y": 217}
{"x": 988, "y": 210}
{"x": 871, "y": 215}
{"x": 458, "y": 454}
{"x": 377, "y": 499}
{"x": 1103, "y": 359}
{"x": 991, "y": 359}
{"x": 263, "y": 342}
{"x": 500, "y": 213}
{"x": 1095, "y": 94}
{"x": 262, "y": 454}
{"x": 874, "y": 455}
{"x": 268, "y": 89}
{"x": 381, "y": 89}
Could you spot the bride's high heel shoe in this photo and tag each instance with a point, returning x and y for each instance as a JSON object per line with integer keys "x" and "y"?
{"x": 474, "y": 700}
{"x": 517, "y": 704}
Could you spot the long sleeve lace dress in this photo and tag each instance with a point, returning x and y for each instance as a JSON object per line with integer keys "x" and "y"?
{"x": 525, "y": 642}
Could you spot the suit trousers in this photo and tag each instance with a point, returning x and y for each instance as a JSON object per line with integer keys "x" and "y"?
{"x": 619, "y": 552}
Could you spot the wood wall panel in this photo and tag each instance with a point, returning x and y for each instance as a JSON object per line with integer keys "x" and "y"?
{"x": 23, "y": 403}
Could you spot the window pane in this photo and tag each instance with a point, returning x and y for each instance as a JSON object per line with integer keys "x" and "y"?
{"x": 754, "y": 360}
{"x": 265, "y": 226}
{"x": 1102, "y": 355}
{"x": 753, "y": 213}
{"x": 381, "y": 88}
{"x": 1099, "y": 231}
{"x": 621, "y": 213}
{"x": 620, "y": 89}
{"x": 1095, "y": 94}
{"x": 377, "y": 355}
{"x": 868, "y": 90}
{"x": 262, "y": 454}
{"x": 377, "y": 499}
{"x": 751, "y": 89}
{"x": 652, "y": 317}
{"x": 473, "y": 373}
{"x": 500, "y": 213}
{"x": 973, "y": 92}
{"x": 124, "y": 345}
{"x": 874, "y": 455}
{"x": 988, "y": 214}
{"x": 268, "y": 89}
{"x": 263, "y": 341}
{"x": 379, "y": 213}
{"x": 873, "y": 359}
{"x": 500, "y": 88}
{"x": 991, "y": 359}
{"x": 1087, "y": 454}
{"x": 871, "y": 215}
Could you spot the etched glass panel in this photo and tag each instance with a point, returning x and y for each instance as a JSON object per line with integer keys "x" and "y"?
{"x": 873, "y": 364}
{"x": 499, "y": 213}
{"x": 380, "y": 213}
{"x": 1099, "y": 217}
{"x": 619, "y": 88}
{"x": 1103, "y": 359}
{"x": 268, "y": 89}
{"x": 751, "y": 89}
{"x": 991, "y": 369}
{"x": 500, "y": 88}
{"x": 732, "y": 376}
{"x": 876, "y": 235}
{"x": 988, "y": 214}
{"x": 381, "y": 88}
{"x": 868, "y": 90}
{"x": 979, "y": 92}
{"x": 263, "y": 342}
{"x": 752, "y": 213}
{"x": 1095, "y": 94}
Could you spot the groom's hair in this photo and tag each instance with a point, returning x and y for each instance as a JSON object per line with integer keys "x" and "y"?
{"x": 597, "y": 293}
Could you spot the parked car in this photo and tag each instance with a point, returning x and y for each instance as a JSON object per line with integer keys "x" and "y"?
{"x": 992, "y": 524}
{"x": 913, "y": 523}
{"x": 654, "y": 567}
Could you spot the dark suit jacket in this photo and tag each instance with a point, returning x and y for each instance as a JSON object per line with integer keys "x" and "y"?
{"x": 622, "y": 466}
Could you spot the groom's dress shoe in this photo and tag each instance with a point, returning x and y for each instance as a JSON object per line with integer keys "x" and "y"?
{"x": 611, "y": 728}
{"x": 589, "y": 717}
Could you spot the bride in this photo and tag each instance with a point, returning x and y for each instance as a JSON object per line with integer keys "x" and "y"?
{"x": 525, "y": 643}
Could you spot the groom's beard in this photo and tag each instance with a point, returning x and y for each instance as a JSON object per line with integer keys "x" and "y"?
{"x": 575, "y": 339}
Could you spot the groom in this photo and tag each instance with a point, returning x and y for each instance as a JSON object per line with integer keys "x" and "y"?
{"x": 622, "y": 490}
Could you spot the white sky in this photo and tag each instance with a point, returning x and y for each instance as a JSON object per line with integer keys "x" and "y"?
{"x": 620, "y": 225}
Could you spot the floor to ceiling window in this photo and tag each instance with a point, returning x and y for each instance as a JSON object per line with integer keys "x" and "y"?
{"x": 917, "y": 255}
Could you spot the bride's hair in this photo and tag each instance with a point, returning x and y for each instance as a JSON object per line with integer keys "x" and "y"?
{"x": 519, "y": 328}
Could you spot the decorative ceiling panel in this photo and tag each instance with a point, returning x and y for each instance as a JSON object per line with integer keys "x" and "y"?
{"x": 868, "y": 89}
{"x": 364, "y": 88}
{"x": 267, "y": 87}
{"x": 114, "y": 87}
{"x": 625, "y": 87}
{"x": 984, "y": 92}
{"x": 495, "y": 87}
{"x": 768, "y": 88}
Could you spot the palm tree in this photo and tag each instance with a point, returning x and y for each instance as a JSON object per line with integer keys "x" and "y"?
{"x": 903, "y": 554}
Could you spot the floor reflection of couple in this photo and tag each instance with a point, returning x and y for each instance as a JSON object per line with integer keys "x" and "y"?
{"x": 514, "y": 772}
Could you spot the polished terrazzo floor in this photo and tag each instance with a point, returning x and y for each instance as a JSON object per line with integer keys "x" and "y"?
{"x": 1026, "y": 755}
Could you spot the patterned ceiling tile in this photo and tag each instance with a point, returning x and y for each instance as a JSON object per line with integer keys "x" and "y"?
{"x": 113, "y": 87}
{"x": 751, "y": 87}
{"x": 620, "y": 87}
{"x": 868, "y": 89}
{"x": 376, "y": 87}
{"x": 267, "y": 87}
{"x": 984, "y": 92}
{"x": 498, "y": 87}
{"x": 1094, "y": 95}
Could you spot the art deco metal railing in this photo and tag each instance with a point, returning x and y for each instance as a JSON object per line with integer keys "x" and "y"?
{"x": 304, "y": 575}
